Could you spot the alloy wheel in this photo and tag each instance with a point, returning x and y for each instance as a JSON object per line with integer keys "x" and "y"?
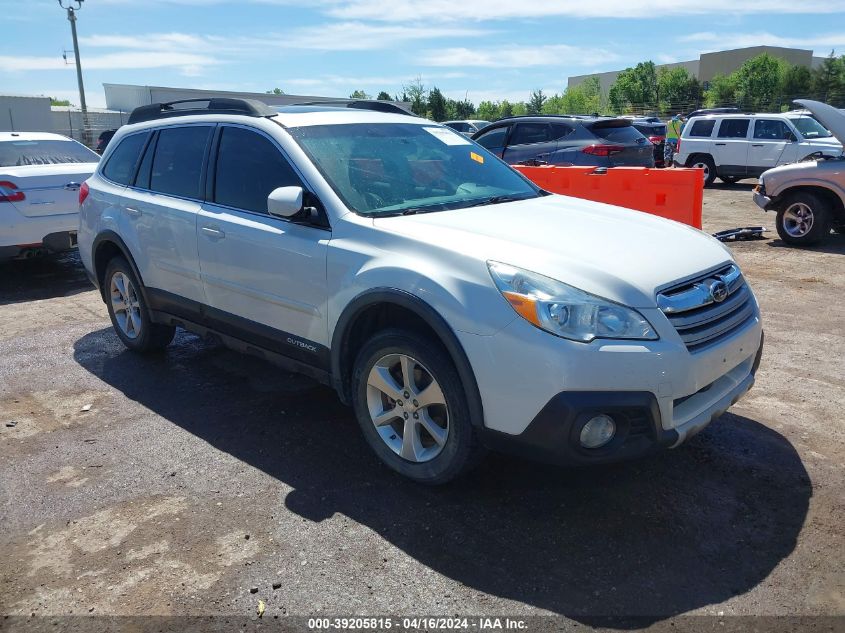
{"x": 407, "y": 408}
{"x": 125, "y": 305}
{"x": 798, "y": 219}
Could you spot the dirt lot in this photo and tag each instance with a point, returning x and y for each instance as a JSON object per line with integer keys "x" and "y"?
{"x": 196, "y": 476}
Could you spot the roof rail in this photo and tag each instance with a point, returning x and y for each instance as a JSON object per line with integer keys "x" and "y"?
{"x": 360, "y": 104}
{"x": 213, "y": 105}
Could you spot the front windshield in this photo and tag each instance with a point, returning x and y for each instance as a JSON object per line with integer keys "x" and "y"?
{"x": 400, "y": 168}
{"x": 809, "y": 127}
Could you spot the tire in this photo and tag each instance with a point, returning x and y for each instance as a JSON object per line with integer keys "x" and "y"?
{"x": 803, "y": 219}
{"x": 128, "y": 310}
{"x": 705, "y": 162}
{"x": 428, "y": 457}
{"x": 730, "y": 180}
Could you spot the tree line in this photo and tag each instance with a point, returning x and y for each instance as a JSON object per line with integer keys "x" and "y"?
{"x": 764, "y": 83}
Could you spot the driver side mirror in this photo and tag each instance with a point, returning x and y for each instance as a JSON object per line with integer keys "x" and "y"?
{"x": 285, "y": 202}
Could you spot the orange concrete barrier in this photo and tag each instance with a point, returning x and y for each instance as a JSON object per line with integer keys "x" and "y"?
{"x": 676, "y": 194}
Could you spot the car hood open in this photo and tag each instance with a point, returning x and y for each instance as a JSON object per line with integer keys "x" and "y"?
{"x": 616, "y": 253}
{"x": 828, "y": 116}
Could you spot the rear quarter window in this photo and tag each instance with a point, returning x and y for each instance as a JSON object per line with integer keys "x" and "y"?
{"x": 702, "y": 129}
{"x": 626, "y": 134}
{"x": 121, "y": 163}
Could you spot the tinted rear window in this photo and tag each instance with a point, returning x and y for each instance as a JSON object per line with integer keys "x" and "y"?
{"x": 123, "y": 159}
{"x": 177, "y": 164}
{"x": 626, "y": 134}
{"x": 733, "y": 128}
{"x": 702, "y": 128}
{"x": 651, "y": 129}
{"x": 21, "y": 153}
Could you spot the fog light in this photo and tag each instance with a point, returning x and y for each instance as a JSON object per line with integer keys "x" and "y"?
{"x": 598, "y": 431}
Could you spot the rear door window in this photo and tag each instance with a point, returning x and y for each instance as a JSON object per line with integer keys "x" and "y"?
{"x": 177, "y": 164}
{"x": 249, "y": 167}
{"x": 733, "y": 128}
{"x": 121, "y": 165}
{"x": 531, "y": 133}
{"x": 703, "y": 128}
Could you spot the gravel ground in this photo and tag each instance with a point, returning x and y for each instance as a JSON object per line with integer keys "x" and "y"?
{"x": 175, "y": 485}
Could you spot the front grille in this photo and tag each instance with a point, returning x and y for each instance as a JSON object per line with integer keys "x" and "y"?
{"x": 700, "y": 319}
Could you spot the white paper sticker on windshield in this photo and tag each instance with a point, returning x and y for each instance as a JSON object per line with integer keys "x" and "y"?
{"x": 447, "y": 136}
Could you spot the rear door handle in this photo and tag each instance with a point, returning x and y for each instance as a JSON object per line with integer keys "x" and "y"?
{"x": 133, "y": 211}
{"x": 213, "y": 232}
{"x": 720, "y": 144}
{"x": 757, "y": 145}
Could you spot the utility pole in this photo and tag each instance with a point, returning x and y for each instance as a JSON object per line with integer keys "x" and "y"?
{"x": 68, "y": 5}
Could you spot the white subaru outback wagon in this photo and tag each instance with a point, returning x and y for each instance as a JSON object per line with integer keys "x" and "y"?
{"x": 455, "y": 305}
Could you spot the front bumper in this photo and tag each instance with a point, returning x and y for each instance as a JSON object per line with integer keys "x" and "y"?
{"x": 553, "y": 435}
{"x": 763, "y": 201}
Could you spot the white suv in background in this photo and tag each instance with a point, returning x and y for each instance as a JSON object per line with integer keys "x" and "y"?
{"x": 450, "y": 301}
{"x": 40, "y": 177}
{"x": 737, "y": 146}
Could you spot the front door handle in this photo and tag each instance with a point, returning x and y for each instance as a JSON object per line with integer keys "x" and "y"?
{"x": 756, "y": 145}
{"x": 720, "y": 144}
{"x": 72, "y": 186}
{"x": 134, "y": 212}
{"x": 213, "y": 232}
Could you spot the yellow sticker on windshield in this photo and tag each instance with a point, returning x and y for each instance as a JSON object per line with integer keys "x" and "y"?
{"x": 478, "y": 158}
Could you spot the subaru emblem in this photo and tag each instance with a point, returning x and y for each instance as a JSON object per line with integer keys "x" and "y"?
{"x": 718, "y": 291}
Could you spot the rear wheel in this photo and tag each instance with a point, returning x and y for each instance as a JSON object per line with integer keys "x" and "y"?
{"x": 706, "y": 164}
{"x": 411, "y": 407}
{"x": 803, "y": 219}
{"x": 128, "y": 311}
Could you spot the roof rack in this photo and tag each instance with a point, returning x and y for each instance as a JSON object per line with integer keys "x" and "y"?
{"x": 213, "y": 105}
{"x": 360, "y": 104}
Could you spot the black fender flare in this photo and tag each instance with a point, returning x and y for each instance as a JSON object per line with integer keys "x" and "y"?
{"x": 430, "y": 316}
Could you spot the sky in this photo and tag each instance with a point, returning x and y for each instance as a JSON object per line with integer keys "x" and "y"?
{"x": 478, "y": 49}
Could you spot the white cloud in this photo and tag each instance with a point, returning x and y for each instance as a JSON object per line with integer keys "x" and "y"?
{"x": 478, "y": 10}
{"x": 185, "y": 62}
{"x": 516, "y": 56}
{"x": 358, "y": 36}
{"x": 721, "y": 41}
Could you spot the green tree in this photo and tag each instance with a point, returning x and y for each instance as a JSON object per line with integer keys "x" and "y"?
{"x": 759, "y": 81}
{"x": 829, "y": 80}
{"x": 488, "y": 111}
{"x": 415, "y": 93}
{"x": 437, "y": 105}
{"x": 276, "y": 91}
{"x": 383, "y": 96}
{"x": 635, "y": 89}
{"x": 464, "y": 109}
{"x": 59, "y": 102}
{"x": 722, "y": 91}
{"x": 360, "y": 94}
{"x": 536, "y": 102}
{"x": 518, "y": 109}
{"x": 797, "y": 82}
{"x": 678, "y": 91}
{"x": 506, "y": 109}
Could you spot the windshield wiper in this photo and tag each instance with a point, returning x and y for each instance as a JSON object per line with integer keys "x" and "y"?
{"x": 496, "y": 200}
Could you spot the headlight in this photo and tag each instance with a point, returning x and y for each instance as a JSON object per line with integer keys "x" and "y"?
{"x": 566, "y": 311}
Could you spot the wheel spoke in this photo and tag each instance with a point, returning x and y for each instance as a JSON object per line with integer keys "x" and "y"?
{"x": 429, "y": 396}
{"x": 437, "y": 433}
{"x": 387, "y": 416}
{"x": 381, "y": 379}
{"x": 411, "y": 444}
{"x": 408, "y": 373}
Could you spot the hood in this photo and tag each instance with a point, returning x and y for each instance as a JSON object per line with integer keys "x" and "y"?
{"x": 616, "y": 253}
{"x": 828, "y": 116}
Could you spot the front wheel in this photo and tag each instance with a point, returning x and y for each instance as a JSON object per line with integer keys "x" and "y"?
{"x": 128, "y": 311}
{"x": 730, "y": 180}
{"x": 412, "y": 409}
{"x": 803, "y": 219}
